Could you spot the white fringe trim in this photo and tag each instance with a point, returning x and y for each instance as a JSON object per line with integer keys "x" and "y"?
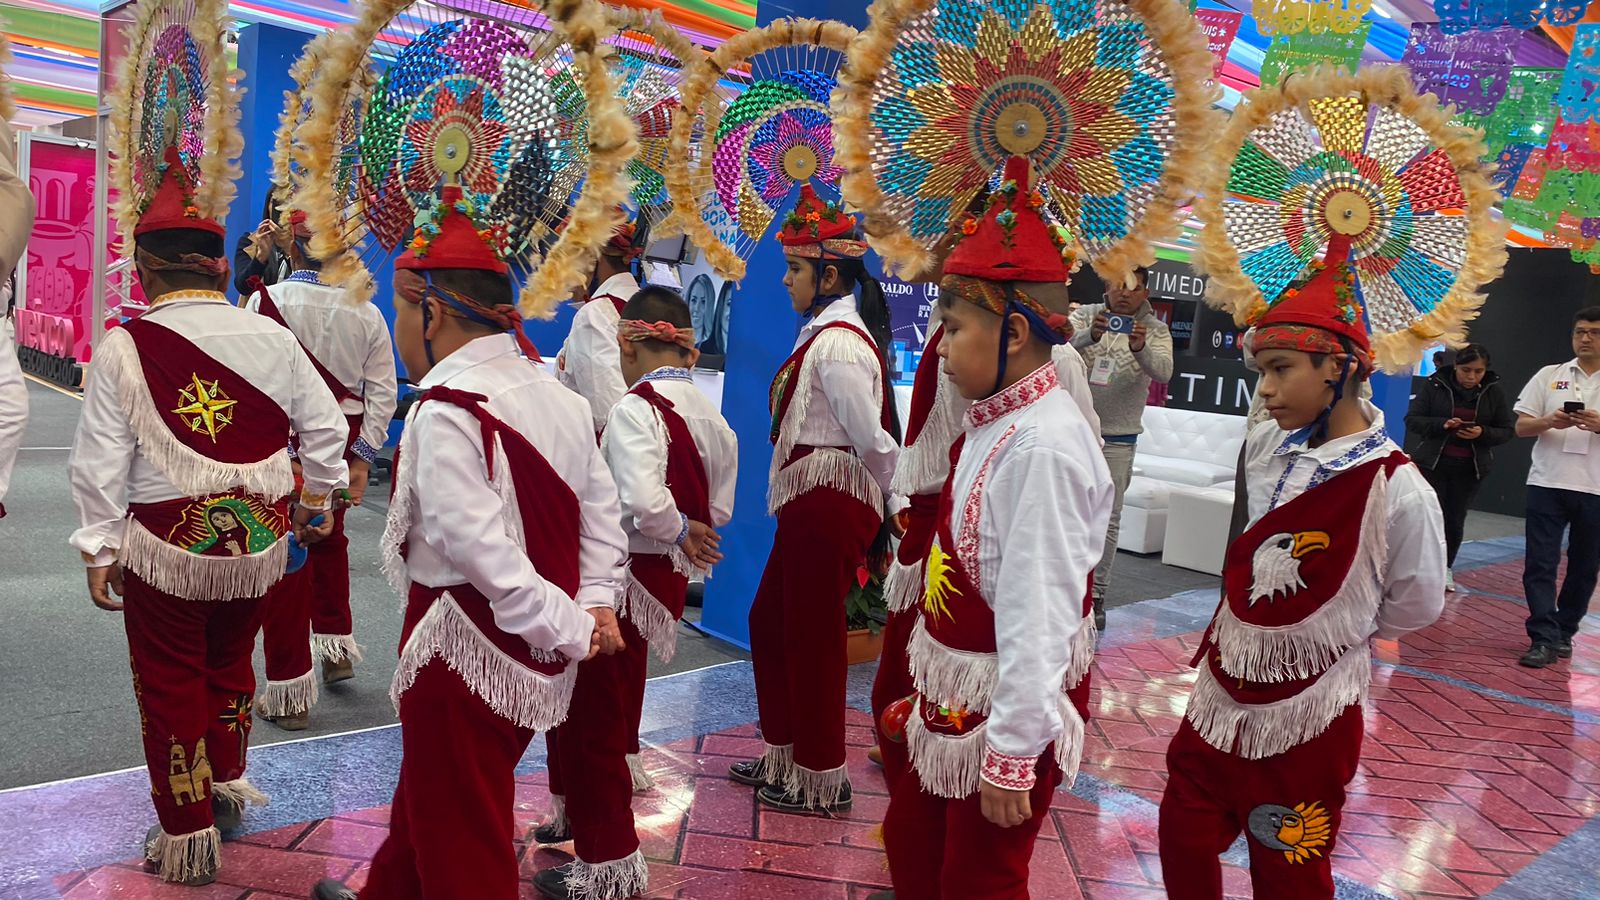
{"x": 1288, "y": 652}
{"x": 336, "y": 648}
{"x": 958, "y": 679}
{"x": 558, "y": 815}
{"x": 681, "y": 563}
{"x": 616, "y": 880}
{"x": 824, "y": 467}
{"x": 641, "y": 776}
{"x": 904, "y": 587}
{"x": 239, "y": 793}
{"x": 818, "y": 790}
{"x": 1267, "y": 729}
{"x": 182, "y": 857}
{"x": 192, "y": 473}
{"x": 1084, "y": 644}
{"x": 288, "y": 698}
{"x": 174, "y": 570}
{"x": 952, "y": 767}
{"x": 778, "y": 763}
{"x": 925, "y": 463}
{"x": 655, "y": 623}
{"x": 514, "y": 691}
{"x": 402, "y": 507}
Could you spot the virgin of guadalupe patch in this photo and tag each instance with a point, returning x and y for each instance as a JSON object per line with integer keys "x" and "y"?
{"x": 232, "y": 525}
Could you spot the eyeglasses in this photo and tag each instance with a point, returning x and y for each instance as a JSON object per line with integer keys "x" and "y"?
{"x": 1586, "y": 332}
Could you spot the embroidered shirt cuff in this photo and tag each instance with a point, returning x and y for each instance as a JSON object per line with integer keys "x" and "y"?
{"x": 364, "y": 450}
{"x": 683, "y": 533}
{"x": 318, "y": 502}
{"x": 1012, "y": 773}
{"x": 293, "y": 453}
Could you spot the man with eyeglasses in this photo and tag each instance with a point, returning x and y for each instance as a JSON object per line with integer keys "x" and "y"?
{"x": 1561, "y": 408}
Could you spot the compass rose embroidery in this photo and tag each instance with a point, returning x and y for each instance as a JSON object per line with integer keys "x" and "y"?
{"x": 205, "y": 407}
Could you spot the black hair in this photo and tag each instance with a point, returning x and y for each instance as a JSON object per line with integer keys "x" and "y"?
{"x": 1473, "y": 353}
{"x": 171, "y": 244}
{"x": 874, "y": 309}
{"x": 656, "y": 303}
{"x": 478, "y": 285}
{"x": 1144, "y": 275}
{"x": 302, "y": 245}
{"x": 1587, "y": 314}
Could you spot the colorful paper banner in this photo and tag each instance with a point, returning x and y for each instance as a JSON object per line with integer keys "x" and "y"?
{"x": 1289, "y": 52}
{"x": 1289, "y": 17}
{"x": 1220, "y": 26}
{"x": 1468, "y": 70}
{"x": 1457, "y": 16}
{"x": 1579, "y": 97}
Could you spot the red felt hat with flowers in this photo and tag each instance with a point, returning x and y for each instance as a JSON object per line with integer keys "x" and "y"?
{"x": 1012, "y": 242}
{"x": 451, "y": 240}
{"x": 820, "y": 229}
{"x": 172, "y": 205}
{"x": 1315, "y": 316}
{"x": 298, "y": 224}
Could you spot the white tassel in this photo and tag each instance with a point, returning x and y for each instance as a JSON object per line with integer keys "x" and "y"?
{"x": 1084, "y": 644}
{"x": 192, "y": 576}
{"x": 641, "y": 776}
{"x": 514, "y": 691}
{"x": 558, "y": 820}
{"x": 681, "y": 563}
{"x": 336, "y": 648}
{"x": 789, "y": 482}
{"x": 402, "y": 509}
{"x": 615, "y": 880}
{"x": 818, "y": 790}
{"x": 947, "y": 765}
{"x": 288, "y": 698}
{"x": 1069, "y": 745}
{"x": 953, "y": 678}
{"x": 904, "y": 587}
{"x": 191, "y": 472}
{"x": 824, "y": 467}
{"x": 1267, "y": 729}
{"x": 655, "y": 623}
{"x": 239, "y": 793}
{"x": 182, "y": 857}
{"x": 777, "y": 763}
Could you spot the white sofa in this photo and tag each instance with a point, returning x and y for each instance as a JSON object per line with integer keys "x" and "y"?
{"x": 1179, "y": 449}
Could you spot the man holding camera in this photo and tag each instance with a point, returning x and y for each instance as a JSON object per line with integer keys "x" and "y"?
{"x": 1126, "y": 348}
{"x": 1561, "y": 407}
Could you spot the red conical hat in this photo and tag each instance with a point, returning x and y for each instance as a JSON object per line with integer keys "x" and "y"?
{"x": 172, "y": 205}
{"x": 819, "y": 229}
{"x": 452, "y": 241}
{"x": 1324, "y": 309}
{"x": 1012, "y": 242}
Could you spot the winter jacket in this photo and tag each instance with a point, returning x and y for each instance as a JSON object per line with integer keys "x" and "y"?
{"x": 1435, "y": 404}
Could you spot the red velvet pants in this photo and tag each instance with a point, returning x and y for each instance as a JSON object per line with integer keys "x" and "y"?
{"x": 941, "y": 849}
{"x": 654, "y": 571}
{"x": 797, "y": 623}
{"x": 451, "y": 830}
{"x": 588, "y": 757}
{"x": 313, "y": 600}
{"x": 893, "y": 683}
{"x": 1278, "y": 803}
{"x": 195, "y": 685}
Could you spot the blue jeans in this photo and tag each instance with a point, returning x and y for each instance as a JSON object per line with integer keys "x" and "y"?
{"x": 1550, "y": 513}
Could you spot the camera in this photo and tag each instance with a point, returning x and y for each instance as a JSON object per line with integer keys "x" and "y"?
{"x": 1119, "y": 324}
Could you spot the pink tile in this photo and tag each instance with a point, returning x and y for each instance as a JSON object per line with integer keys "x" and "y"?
{"x": 267, "y": 869}
{"x": 834, "y": 863}
{"x": 353, "y": 840}
{"x": 710, "y": 851}
{"x": 377, "y": 815}
{"x": 722, "y": 807}
{"x": 278, "y": 838}
{"x": 131, "y": 884}
{"x": 713, "y": 884}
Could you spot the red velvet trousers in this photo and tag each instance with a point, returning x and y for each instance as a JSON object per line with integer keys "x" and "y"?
{"x": 942, "y": 849}
{"x": 797, "y": 623}
{"x": 1276, "y": 802}
{"x": 451, "y": 831}
{"x": 313, "y": 600}
{"x": 588, "y": 756}
{"x": 892, "y": 683}
{"x": 654, "y": 571}
{"x": 195, "y": 685}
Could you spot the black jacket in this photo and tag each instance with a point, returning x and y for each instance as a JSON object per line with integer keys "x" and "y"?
{"x": 1435, "y": 404}
{"x": 275, "y": 269}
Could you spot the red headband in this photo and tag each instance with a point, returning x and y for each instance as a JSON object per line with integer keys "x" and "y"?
{"x": 507, "y": 316}
{"x": 198, "y": 263}
{"x": 666, "y": 332}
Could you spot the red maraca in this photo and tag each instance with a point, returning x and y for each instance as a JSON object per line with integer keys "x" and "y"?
{"x": 895, "y": 717}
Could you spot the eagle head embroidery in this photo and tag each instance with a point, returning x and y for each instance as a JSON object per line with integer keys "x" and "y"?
{"x": 1276, "y": 564}
{"x": 1297, "y": 833}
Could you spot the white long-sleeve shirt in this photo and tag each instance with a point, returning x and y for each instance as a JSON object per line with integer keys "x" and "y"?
{"x": 590, "y": 362}
{"x": 1035, "y": 534}
{"x": 846, "y": 401}
{"x": 635, "y": 447}
{"x": 457, "y": 531}
{"x": 109, "y": 471}
{"x": 351, "y": 340}
{"x": 1277, "y": 471}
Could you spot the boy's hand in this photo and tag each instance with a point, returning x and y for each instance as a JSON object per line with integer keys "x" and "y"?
{"x": 103, "y": 582}
{"x": 1004, "y": 808}
{"x": 702, "y": 545}
{"x": 360, "y": 471}
{"x": 306, "y": 533}
{"x": 607, "y": 633}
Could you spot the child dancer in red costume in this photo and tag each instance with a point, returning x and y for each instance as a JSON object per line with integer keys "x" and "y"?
{"x": 1000, "y": 651}
{"x": 835, "y": 431}
{"x": 1345, "y": 543}
{"x": 505, "y": 527}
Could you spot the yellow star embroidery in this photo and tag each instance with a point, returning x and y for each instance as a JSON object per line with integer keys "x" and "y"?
{"x": 208, "y": 405}
{"x": 937, "y": 584}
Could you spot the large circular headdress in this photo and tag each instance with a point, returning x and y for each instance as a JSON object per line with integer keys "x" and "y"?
{"x": 735, "y": 162}
{"x": 172, "y": 90}
{"x": 1362, "y": 155}
{"x": 1110, "y": 100}
{"x": 474, "y": 93}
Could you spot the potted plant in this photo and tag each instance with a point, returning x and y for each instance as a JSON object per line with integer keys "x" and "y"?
{"x": 865, "y": 613}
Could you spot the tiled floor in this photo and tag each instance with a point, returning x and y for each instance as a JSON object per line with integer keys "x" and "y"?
{"x": 1479, "y": 779}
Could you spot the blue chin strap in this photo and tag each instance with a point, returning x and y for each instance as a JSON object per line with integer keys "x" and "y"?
{"x": 1036, "y": 324}
{"x": 1318, "y": 430}
{"x": 448, "y": 299}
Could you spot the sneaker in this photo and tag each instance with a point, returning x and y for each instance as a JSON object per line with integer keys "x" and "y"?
{"x": 751, "y": 773}
{"x": 294, "y": 722}
{"x": 225, "y": 814}
{"x": 552, "y": 883}
{"x": 552, "y": 833}
{"x": 329, "y": 889}
{"x": 1564, "y": 648}
{"x": 153, "y": 865}
{"x": 875, "y": 756}
{"x": 1450, "y": 581}
{"x": 335, "y": 672}
{"x": 1539, "y": 656}
{"x": 791, "y": 801}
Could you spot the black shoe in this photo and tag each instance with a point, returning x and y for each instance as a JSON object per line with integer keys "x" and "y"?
{"x": 1539, "y": 656}
{"x": 225, "y": 814}
{"x": 552, "y": 883}
{"x": 752, "y": 773}
{"x": 791, "y": 801}
{"x": 553, "y": 833}
{"x": 329, "y": 889}
{"x": 1564, "y": 648}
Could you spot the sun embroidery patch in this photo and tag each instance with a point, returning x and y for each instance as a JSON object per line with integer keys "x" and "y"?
{"x": 1275, "y": 567}
{"x": 937, "y": 584}
{"x": 205, "y": 407}
{"x": 1298, "y": 833}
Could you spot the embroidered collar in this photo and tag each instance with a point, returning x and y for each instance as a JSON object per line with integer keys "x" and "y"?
{"x": 1334, "y": 456}
{"x": 307, "y": 276}
{"x": 669, "y": 373}
{"x": 1018, "y": 396}
{"x": 184, "y": 296}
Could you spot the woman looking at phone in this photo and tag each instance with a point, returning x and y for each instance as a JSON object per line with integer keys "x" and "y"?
{"x": 1453, "y": 424}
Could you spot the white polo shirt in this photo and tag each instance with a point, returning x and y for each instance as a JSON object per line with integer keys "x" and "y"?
{"x": 1569, "y": 459}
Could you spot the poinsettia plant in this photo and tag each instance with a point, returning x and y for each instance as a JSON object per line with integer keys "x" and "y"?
{"x": 865, "y": 606}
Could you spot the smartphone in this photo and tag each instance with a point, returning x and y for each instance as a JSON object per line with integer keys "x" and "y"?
{"x": 1119, "y": 324}
{"x": 1572, "y": 407}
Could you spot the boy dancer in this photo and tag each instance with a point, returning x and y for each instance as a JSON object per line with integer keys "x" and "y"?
{"x": 309, "y": 615}
{"x": 505, "y": 523}
{"x": 1345, "y": 543}
{"x": 673, "y": 459}
{"x": 180, "y": 471}
{"x": 588, "y": 361}
{"x": 1000, "y": 652}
